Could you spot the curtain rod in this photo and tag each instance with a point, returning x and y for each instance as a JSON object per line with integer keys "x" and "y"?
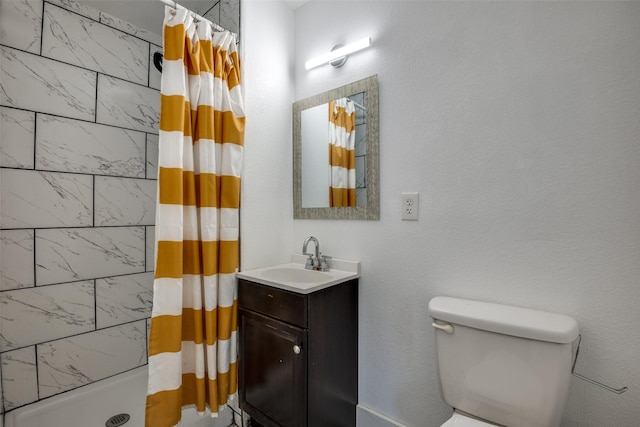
{"x": 175, "y": 5}
{"x": 358, "y": 105}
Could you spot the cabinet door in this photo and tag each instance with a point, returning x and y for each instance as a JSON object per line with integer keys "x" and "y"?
{"x": 273, "y": 380}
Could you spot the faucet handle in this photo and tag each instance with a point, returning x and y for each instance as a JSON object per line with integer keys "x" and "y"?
{"x": 324, "y": 265}
{"x": 309, "y": 264}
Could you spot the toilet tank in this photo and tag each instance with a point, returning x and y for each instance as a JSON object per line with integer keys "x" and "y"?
{"x": 507, "y": 365}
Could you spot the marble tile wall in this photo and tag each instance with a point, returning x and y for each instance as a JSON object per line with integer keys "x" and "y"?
{"x": 81, "y": 359}
{"x": 225, "y": 13}
{"x": 73, "y": 39}
{"x": 230, "y": 16}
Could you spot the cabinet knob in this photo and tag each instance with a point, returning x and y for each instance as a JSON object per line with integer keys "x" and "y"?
{"x": 297, "y": 349}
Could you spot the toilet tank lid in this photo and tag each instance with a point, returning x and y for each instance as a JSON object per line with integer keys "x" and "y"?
{"x": 505, "y": 319}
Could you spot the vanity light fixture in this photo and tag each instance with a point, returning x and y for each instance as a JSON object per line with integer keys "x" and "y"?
{"x": 338, "y": 55}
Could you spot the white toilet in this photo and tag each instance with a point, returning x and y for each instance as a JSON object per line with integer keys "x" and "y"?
{"x": 502, "y": 365}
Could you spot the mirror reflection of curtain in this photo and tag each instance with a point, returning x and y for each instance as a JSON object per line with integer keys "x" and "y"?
{"x": 342, "y": 132}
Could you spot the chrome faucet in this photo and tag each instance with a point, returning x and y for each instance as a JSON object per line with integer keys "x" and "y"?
{"x": 315, "y": 261}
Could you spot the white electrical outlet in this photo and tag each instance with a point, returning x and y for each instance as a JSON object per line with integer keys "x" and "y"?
{"x": 410, "y": 203}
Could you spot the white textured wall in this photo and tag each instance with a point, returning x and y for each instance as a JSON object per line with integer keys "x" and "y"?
{"x": 518, "y": 124}
{"x": 267, "y": 192}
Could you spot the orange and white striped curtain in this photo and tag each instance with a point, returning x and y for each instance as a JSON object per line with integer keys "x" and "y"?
{"x": 342, "y": 157}
{"x": 192, "y": 340}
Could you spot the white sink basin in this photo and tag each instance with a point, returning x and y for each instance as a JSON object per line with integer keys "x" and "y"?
{"x": 294, "y": 277}
{"x": 288, "y": 274}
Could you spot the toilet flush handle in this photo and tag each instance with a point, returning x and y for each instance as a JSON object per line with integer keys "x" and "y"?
{"x": 447, "y": 327}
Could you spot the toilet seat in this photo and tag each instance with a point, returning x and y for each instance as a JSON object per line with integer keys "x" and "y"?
{"x": 459, "y": 420}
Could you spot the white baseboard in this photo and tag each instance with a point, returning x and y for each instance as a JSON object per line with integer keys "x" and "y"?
{"x": 367, "y": 417}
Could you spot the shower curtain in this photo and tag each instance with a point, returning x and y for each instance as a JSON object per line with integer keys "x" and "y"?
{"x": 192, "y": 340}
{"x": 342, "y": 136}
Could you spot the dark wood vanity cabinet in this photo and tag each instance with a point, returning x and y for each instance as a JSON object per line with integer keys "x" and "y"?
{"x": 299, "y": 355}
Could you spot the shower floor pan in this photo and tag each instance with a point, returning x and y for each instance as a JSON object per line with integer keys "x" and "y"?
{"x": 95, "y": 404}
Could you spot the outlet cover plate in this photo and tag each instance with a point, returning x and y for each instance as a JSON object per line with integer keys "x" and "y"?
{"x": 410, "y": 203}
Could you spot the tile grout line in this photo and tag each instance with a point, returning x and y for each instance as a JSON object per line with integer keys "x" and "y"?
{"x": 35, "y": 264}
{"x": 95, "y": 304}
{"x": 11, "y": 107}
{"x": 35, "y": 139}
{"x": 93, "y": 208}
{"x": 95, "y": 106}
{"x": 41, "y": 29}
{"x": 95, "y": 329}
{"x": 35, "y": 350}
{"x": 92, "y": 173}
